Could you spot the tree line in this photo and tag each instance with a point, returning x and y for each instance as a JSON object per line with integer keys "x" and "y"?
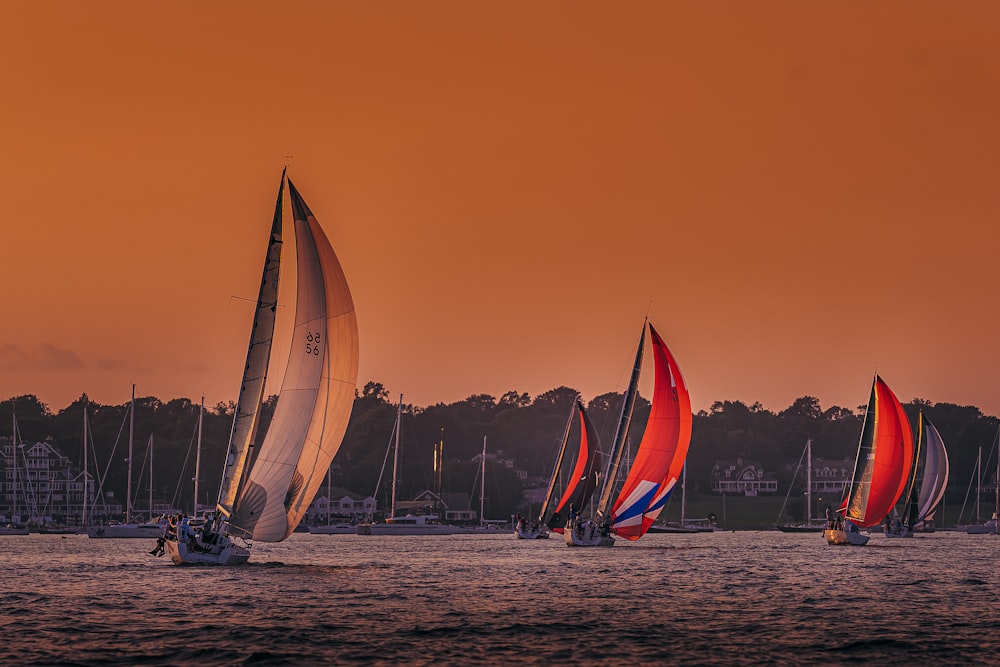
{"x": 515, "y": 425}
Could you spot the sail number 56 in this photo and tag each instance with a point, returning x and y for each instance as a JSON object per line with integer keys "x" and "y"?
{"x": 312, "y": 342}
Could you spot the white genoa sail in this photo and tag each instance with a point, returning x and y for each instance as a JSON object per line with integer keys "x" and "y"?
{"x": 316, "y": 395}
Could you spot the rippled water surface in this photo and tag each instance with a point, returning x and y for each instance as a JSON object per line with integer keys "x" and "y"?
{"x": 721, "y": 598}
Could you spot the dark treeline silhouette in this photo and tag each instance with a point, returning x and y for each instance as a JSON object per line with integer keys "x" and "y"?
{"x": 527, "y": 430}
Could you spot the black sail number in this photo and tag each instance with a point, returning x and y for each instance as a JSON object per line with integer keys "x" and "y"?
{"x": 312, "y": 342}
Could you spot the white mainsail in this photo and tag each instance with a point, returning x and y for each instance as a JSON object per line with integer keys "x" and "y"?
{"x": 316, "y": 395}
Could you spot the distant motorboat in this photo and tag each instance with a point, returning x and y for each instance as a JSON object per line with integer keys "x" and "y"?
{"x": 13, "y": 529}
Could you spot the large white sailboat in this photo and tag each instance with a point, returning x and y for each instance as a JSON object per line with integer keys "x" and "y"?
{"x": 267, "y": 487}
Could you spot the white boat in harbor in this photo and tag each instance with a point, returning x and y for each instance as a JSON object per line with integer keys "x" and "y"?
{"x": 264, "y": 496}
{"x": 411, "y": 525}
{"x": 334, "y": 529}
{"x": 422, "y": 524}
{"x": 153, "y": 529}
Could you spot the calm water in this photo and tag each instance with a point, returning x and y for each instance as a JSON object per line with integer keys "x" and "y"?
{"x": 721, "y": 598}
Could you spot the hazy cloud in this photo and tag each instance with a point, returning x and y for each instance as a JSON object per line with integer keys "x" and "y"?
{"x": 41, "y": 357}
{"x": 112, "y": 364}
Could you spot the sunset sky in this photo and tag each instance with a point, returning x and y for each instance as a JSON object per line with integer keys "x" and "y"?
{"x": 799, "y": 194}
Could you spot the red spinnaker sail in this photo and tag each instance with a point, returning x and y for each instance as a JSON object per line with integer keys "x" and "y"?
{"x": 660, "y": 458}
{"x": 881, "y": 476}
{"x": 581, "y": 484}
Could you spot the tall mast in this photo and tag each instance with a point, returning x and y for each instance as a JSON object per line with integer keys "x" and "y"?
{"x": 482, "y": 487}
{"x": 979, "y": 482}
{"x": 197, "y": 454}
{"x": 618, "y": 446}
{"x": 86, "y": 490}
{"x": 809, "y": 481}
{"x": 684, "y": 484}
{"x": 13, "y": 438}
{"x": 150, "y": 476}
{"x": 395, "y": 458}
{"x": 131, "y": 430}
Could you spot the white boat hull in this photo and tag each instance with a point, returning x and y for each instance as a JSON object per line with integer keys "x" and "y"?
{"x": 226, "y": 552}
{"x": 586, "y": 534}
{"x": 405, "y": 529}
{"x": 841, "y": 537}
{"x": 334, "y": 529}
{"x": 126, "y": 530}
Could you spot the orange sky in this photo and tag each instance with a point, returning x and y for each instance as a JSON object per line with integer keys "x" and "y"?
{"x": 800, "y": 193}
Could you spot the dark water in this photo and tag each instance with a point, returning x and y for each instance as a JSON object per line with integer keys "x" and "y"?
{"x": 723, "y": 598}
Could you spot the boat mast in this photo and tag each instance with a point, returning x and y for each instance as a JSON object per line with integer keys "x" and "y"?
{"x": 559, "y": 459}
{"x": 809, "y": 481}
{"x": 618, "y": 445}
{"x": 13, "y": 439}
{"x": 197, "y": 455}
{"x": 482, "y": 488}
{"x": 83, "y": 515}
{"x": 979, "y": 482}
{"x": 684, "y": 483}
{"x": 150, "y": 476}
{"x": 395, "y": 458}
{"x": 131, "y": 431}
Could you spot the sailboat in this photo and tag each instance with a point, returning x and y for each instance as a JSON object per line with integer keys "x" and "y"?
{"x": 989, "y": 527}
{"x": 809, "y": 526}
{"x": 885, "y": 454}
{"x": 408, "y": 524}
{"x": 580, "y": 485}
{"x": 152, "y": 527}
{"x": 267, "y": 488}
{"x": 685, "y": 525}
{"x": 927, "y": 482}
{"x": 658, "y": 461}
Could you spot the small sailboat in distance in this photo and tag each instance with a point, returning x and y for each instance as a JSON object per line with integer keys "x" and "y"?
{"x": 580, "y": 486}
{"x": 927, "y": 482}
{"x": 658, "y": 461}
{"x": 885, "y": 453}
{"x": 266, "y": 489}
